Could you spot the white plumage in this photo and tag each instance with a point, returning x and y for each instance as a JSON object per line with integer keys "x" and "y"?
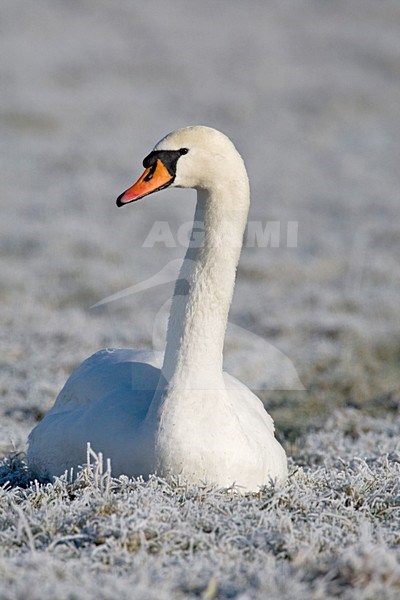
{"x": 175, "y": 413}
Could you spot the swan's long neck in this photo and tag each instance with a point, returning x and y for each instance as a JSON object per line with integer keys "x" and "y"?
{"x": 203, "y": 291}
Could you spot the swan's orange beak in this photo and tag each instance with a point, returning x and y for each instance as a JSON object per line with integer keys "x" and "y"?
{"x": 153, "y": 179}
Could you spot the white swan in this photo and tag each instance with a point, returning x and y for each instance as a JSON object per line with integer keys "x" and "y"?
{"x": 179, "y": 414}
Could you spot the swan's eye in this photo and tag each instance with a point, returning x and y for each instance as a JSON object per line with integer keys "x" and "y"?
{"x": 150, "y": 174}
{"x": 168, "y": 158}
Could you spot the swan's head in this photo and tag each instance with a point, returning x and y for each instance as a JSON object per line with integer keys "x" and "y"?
{"x": 193, "y": 157}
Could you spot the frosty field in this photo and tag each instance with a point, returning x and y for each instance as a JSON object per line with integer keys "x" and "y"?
{"x": 309, "y": 91}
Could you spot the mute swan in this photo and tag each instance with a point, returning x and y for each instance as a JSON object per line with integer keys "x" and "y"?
{"x": 179, "y": 414}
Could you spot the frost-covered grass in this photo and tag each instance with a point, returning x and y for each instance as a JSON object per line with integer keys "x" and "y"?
{"x": 332, "y": 532}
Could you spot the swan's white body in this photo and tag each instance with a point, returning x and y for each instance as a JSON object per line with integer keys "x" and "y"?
{"x": 177, "y": 413}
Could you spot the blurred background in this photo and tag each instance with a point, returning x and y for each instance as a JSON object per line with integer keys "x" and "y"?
{"x": 308, "y": 90}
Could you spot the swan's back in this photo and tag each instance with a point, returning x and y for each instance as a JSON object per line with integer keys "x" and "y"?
{"x": 104, "y": 402}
